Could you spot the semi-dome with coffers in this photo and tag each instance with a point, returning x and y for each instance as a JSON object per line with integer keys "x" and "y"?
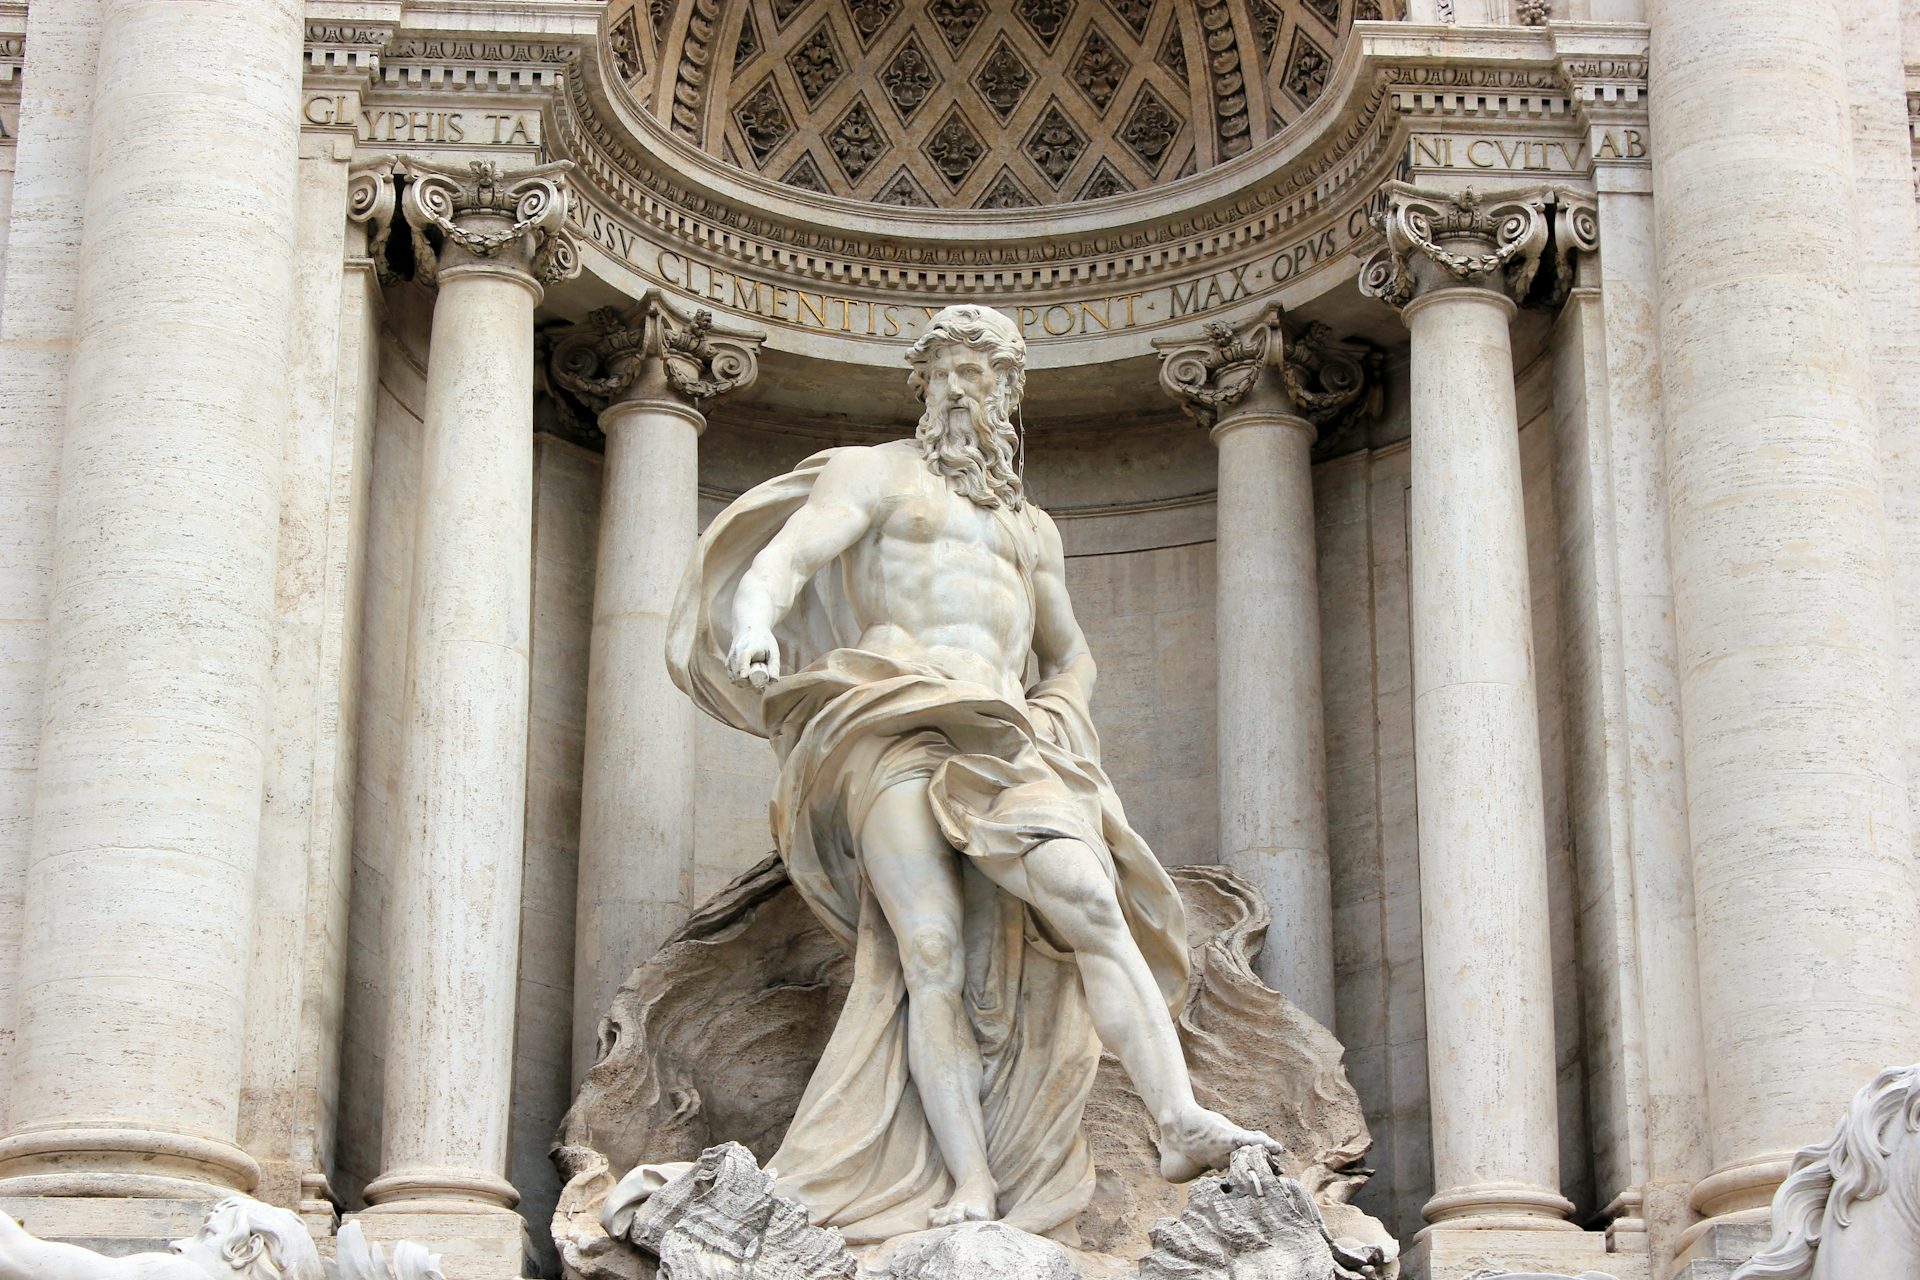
{"x": 978, "y": 104}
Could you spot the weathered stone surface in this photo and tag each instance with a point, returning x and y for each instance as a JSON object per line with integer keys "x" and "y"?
{"x": 975, "y": 1249}
{"x": 713, "y": 1040}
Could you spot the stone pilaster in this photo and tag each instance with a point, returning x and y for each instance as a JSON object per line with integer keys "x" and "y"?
{"x": 649, "y": 371}
{"x": 1797, "y": 789}
{"x": 1265, "y": 395}
{"x": 489, "y": 241}
{"x": 146, "y": 819}
{"x": 1455, "y": 266}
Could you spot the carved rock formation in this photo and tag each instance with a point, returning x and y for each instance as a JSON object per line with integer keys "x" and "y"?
{"x": 713, "y": 1039}
{"x": 1254, "y": 1224}
{"x": 722, "y": 1220}
{"x": 976, "y": 1249}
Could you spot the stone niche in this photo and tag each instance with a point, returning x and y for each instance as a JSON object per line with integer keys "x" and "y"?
{"x": 713, "y": 1039}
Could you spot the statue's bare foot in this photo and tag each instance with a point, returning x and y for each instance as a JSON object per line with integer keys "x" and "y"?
{"x": 972, "y": 1201}
{"x": 1201, "y": 1140}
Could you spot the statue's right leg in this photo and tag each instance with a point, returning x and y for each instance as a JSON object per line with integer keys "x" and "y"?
{"x": 915, "y": 876}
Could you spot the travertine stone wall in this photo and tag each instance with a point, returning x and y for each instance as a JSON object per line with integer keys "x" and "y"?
{"x": 566, "y": 515}
{"x": 383, "y": 648}
{"x": 48, "y": 201}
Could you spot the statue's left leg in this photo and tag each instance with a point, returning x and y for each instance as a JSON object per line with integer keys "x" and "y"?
{"x": 1067, "y": 884}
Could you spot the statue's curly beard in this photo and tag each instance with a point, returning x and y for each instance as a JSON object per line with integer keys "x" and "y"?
{"x": 975, "y": 453}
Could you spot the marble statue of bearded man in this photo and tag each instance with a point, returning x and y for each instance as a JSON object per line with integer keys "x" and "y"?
{"x": 875, "y": 614}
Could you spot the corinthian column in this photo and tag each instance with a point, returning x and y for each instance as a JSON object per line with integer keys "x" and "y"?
{"x": 649, "y": 370}
{"x": 1455, "y": 266}
{"x": 1796, "y": 789}
{"x": 1264, "y": 398}
{"x": 146, "y": 821}
{"x": 489, "y": 241}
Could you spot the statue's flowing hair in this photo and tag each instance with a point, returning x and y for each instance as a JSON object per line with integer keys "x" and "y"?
{"x": 981, "y": 462}
{"x": 1828, "y": 1178}
{"x": 261, "y": 1241}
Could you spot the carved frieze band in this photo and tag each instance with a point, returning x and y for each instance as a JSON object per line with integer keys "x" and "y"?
{"x": 1500, "y": 241}
{"x": 473, "y": 213}
{"x": 1327, "y": 382}
{"x": 650, "y": 347}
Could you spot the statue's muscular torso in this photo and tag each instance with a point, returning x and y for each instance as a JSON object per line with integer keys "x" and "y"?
{"x": 940, "y": 580}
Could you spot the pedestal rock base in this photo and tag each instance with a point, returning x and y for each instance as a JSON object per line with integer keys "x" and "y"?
{"x": 713, "y": 1039}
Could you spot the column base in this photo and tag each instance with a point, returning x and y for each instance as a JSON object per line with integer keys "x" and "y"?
{"x": 122, "y": 1161}
{"x": 474, "y": 1242}
{"x": 1718, "y": 1248}
{"x": 112, "y": 1225}
{"x": 1498, "y": 1206}
{"x": 1448, "y": 1252}
{"x": 437, "y": 1190}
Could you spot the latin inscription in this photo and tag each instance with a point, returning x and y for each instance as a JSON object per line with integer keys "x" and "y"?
{"x": 786, "y": 304}
{"x": 1508, "y": 153}
{"x": 425, "y": 128}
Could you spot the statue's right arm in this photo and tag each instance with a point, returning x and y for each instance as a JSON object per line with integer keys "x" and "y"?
{"x": 842, "y": 507}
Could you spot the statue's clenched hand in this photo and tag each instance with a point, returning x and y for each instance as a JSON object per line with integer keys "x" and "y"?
{"x": 754, "y": 658}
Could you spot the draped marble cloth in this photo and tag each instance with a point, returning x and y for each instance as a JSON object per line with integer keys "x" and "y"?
{"x": 1003, "y": 779}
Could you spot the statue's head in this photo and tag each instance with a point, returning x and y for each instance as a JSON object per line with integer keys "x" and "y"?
{"x": 254, "y": 1241}
{"x": 970, "y": 369}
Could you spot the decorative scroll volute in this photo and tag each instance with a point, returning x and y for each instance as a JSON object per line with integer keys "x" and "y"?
{"x": 650, "y": 347}
{"x": 476, "y": 213}
{"x": 1328, "y": 383}
{"x": 1499, "y": 241}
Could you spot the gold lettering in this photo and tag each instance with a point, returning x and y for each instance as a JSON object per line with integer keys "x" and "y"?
{"x": 1130, "y": 298}
{"x": 780, "y": 294}
{"x": 746, "y": 295}
{"x": 1473, "y": 156}
{"x": 716, "y": 290}
{"x": 1608, "y": 148}
{"x": 1102, "y": 317}
{"x": 1426, "y": 151}
{"x": 1066, "y": 321}
{"x": 318, "y": 110}
{"x": 817, "y": 308}
{"x": 456, "y": 128}
{"x": 1636, "y": 145}
{"x": 1026, "y": 317}
{"x": 675, "y": 276}
{"x": 892, "y": 317}
{"x": 520, "y": 134}
{"x": 1182, "y": 303}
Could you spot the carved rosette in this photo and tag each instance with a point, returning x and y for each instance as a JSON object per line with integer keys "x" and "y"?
{"x": 476, "y": 213}
{"x": 1436, "y": 239}
{"x": 1326, "y": 382}
{"x": 653, "y": 347}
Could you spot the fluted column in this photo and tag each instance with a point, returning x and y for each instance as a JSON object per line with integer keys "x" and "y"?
{"x": 489, "y": 241}
{"x": 1797, "y": 791}
{"x": 146, "y": 824}
{"x": 1264, "y": 398}
{"x": 649, "y": 370}
{"x": 1455, "y": 267}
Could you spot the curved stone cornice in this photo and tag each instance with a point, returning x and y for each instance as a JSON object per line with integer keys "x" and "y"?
{"x": 1386, "y": 71}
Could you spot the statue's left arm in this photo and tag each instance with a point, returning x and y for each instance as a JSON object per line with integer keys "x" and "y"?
{"x": 1058, "y": 641}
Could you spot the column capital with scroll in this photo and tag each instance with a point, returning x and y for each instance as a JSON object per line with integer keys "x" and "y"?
{"x": 475, "y": 215}
{"x": 1274, "y": 365}
{"x": 651, "y": 350}
{"x": 1519, "y": 243}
